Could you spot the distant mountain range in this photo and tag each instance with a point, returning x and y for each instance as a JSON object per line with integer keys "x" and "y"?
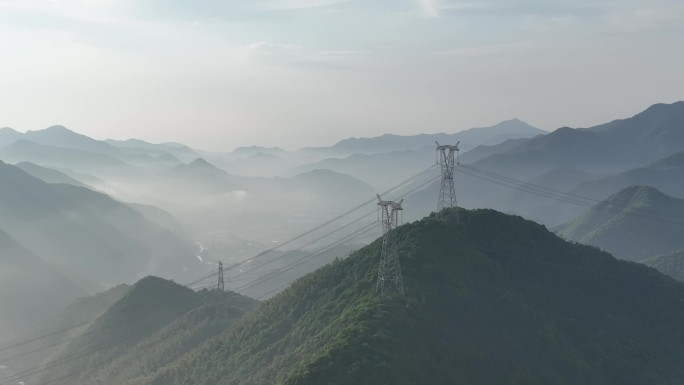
{"x": 50, "y": 175}
{"x": 30, "y": 288}
{"x": 667, "y": 175}
{"x": 178, "y": 152}
{"x": 509, "y": 129}
{"x": 76, "y": 159}
{"x": 381, "y": 170}
{"x": 86, "y": 232}
{"x": 636, "y": 223}
{"x": 620, "y": 145}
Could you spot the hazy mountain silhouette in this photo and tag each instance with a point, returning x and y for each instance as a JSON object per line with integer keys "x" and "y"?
{"x": 667, "y": 175}
{"x": 162, "y": 218}
{"x": 256, "y": 150}
{"x": 509, "y": 129}
{"x": 484, "y": 151}
{"x": 87, "y": 232}
{"x": 140, "y": 147}
{"x": 49, "y": 175}
{"x": 9, "y": 136}
{"x": 330, "y": 186}
{"x": 60, "y": 136}
{"x": 379, "y": 170}
{"x": 74, "y": 318}
{"x": 620, "y": 145}
{"x": 546, "y": 208}
{"x": 636, "y": 223}
{"x": 650, "y": 135}
{"x": 30, "y": 289}
{"x": 197, "y": 178}
{"x": 59, "y": 157}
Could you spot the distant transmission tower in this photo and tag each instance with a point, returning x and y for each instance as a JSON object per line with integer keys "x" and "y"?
{"x": 390, "y": 269}
{"x": 447, "y": 161}
{"x": 222, "y": 308}
{"x": 221, "y": 283}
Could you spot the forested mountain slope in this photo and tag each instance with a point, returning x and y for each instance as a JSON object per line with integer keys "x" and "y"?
{"x": 634, "y": 224}
{"x": 154, "y": 323}
{"x": 493, "y": 299}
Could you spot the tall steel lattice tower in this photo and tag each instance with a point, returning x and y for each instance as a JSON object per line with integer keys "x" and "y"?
{"x": 221, "y": 283}
{"x": 221, "y": 305}
{"x": 390, "y": 269}
{"x": 447, "y": 162}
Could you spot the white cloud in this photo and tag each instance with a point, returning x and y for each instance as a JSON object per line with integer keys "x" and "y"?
{"x": 645, "y": 19}
{"x": 282, "y": 5}
{"x": 431, "y": 8}
{"x": 294, "y": 55}
{"x": 521, "y": 47}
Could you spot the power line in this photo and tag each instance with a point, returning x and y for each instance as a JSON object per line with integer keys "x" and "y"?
{"x": 573, "y": 199}
{"x": 404, "y": 195}
{"x": 197, "y": 280}
{"x": 389, "y": 191}
{"x": 303, "y": 259}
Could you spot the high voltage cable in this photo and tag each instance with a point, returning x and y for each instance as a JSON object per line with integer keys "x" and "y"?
{"x": 519, "y": 185}
{"x": 522, "y": 188}
{"x": 406, "y": 181}
{"x": 293, "y": 251}
{"x": 592, "y": 201}
{"x": 481, "y": 174}
{"x": 504, "y": 181}
{"x": 543, "y": 188}
{"x": 310, "y": 231}
{"x": 305, "y": 258}
{"x": 406, "y": 194}
{"x": 96, "y": 348}
{"x": 358, "y": 219}
{"x": 277, "y": 289}
{"x": 54, "y": 333}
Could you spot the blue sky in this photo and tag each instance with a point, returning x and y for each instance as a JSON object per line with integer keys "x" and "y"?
{"x": 220, "y": 74}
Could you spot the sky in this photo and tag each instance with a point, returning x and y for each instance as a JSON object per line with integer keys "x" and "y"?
{"x": 218, "y": 74}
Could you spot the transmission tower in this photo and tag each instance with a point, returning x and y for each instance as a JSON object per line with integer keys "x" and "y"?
{"x": 221, "y": 306}
{"x": 221, "y": 283}
{"x": 447, "y": 161}
{"x": 390, "y": 269}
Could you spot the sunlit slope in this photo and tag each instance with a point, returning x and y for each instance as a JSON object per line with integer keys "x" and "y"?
{"x": 671, "y": 264}
{"x": 492, "y": 300}
{"x": 634, "y": 224}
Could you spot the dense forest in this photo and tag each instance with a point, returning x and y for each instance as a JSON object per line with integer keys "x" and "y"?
{"x": 490, "y": 299}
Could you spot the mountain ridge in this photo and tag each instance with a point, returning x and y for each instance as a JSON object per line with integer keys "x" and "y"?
{"x": 635, "y": 223}
{"x": 491, "y": 299}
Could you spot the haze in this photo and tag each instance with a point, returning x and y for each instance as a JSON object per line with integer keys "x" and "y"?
{"x": 292, "y": 73}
